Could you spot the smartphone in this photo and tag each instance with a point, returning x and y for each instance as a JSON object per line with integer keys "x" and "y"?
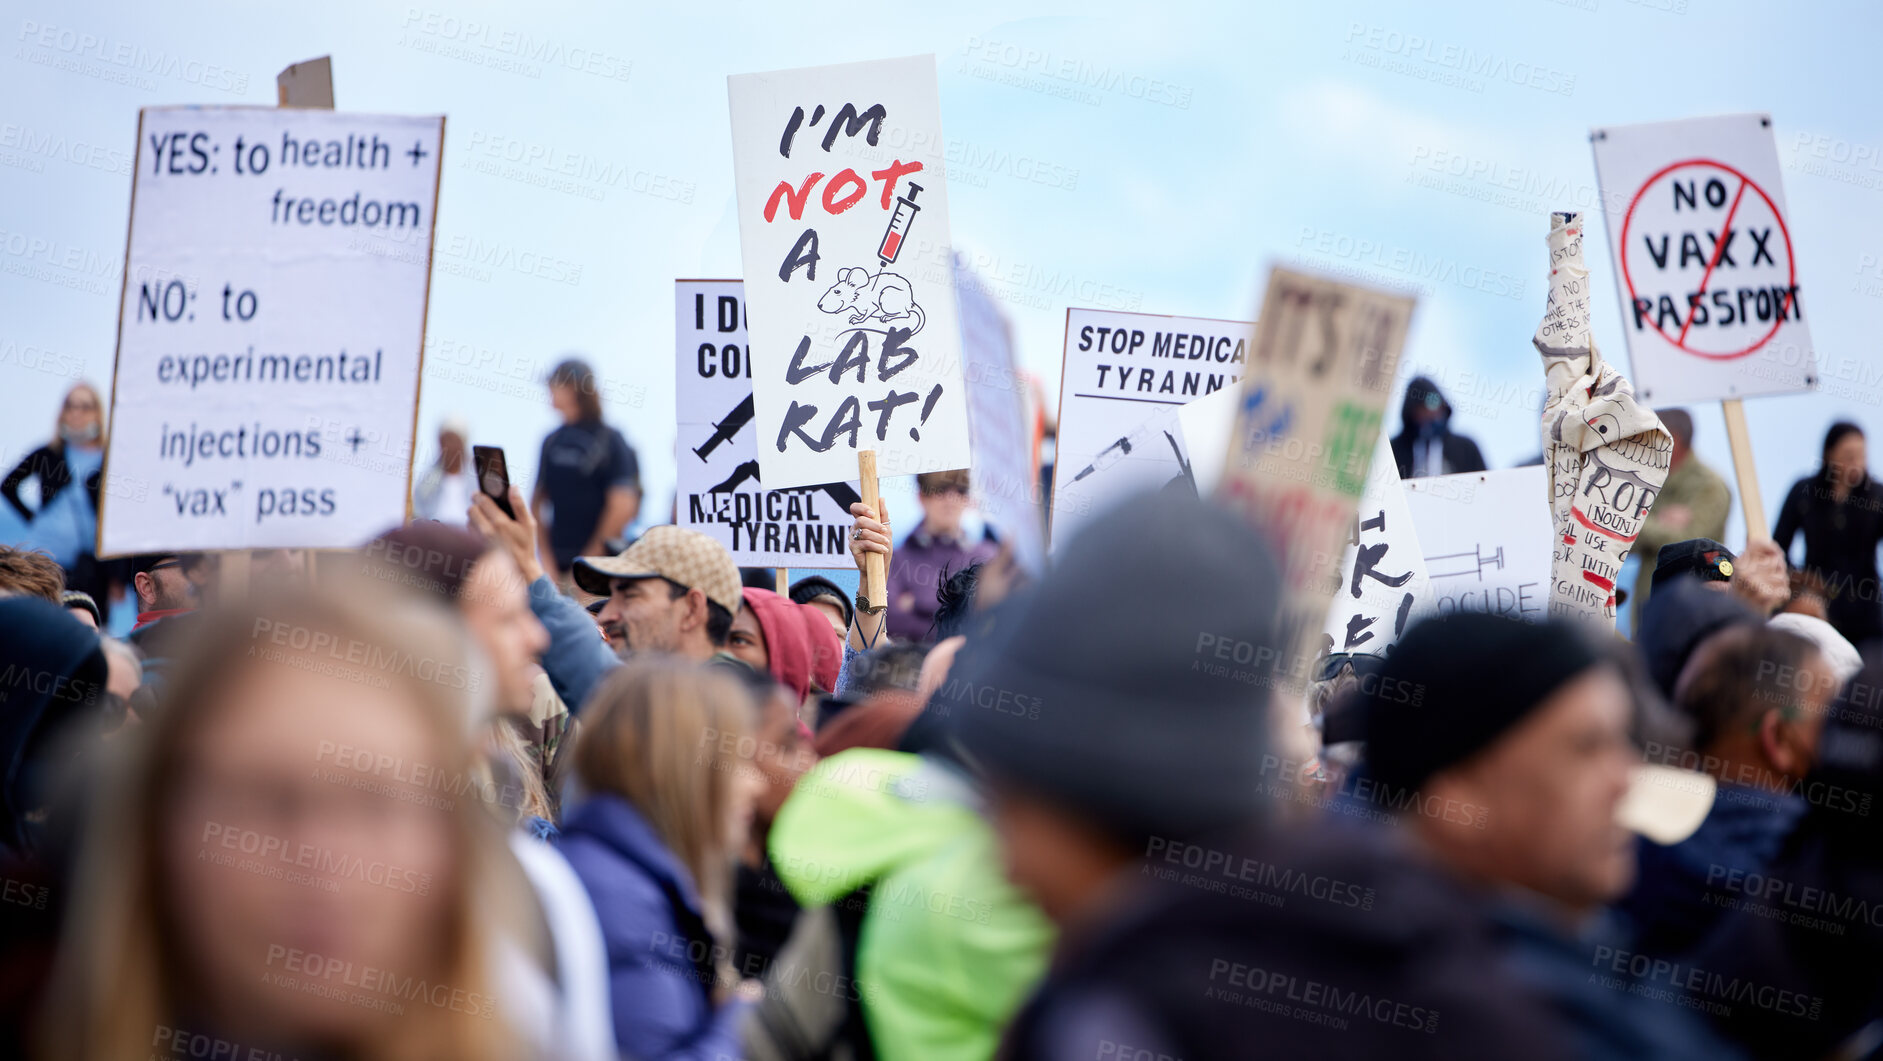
{"x": 493, "y": 476}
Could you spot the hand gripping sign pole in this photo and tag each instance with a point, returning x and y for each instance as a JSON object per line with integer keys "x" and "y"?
{"x": 873, "y": 591}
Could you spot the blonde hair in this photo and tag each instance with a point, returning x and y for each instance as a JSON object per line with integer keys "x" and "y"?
{"x": 653, "y": 734}
{"x": 119, "y": 974}
{"x": 58, "y": 421}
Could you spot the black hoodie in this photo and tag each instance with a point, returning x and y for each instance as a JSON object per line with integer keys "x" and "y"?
{"x": 1458, "y": 453}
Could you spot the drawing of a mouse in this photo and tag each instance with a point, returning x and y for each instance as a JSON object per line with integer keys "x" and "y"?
{"x": 885, "y": 297}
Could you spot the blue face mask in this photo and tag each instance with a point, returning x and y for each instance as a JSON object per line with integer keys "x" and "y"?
{"x": 80, "y": 436}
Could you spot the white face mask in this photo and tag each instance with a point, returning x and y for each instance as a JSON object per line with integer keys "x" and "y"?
{"x": 88, "y": 433}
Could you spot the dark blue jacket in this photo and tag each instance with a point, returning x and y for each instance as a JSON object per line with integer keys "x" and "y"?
{"x": 1682, "y": 890}
{"x": 577, "y": 658}
{"x": 660, "y": 954}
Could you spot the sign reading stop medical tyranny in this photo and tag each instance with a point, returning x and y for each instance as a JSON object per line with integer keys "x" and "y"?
{"x": 1704, "y": 259}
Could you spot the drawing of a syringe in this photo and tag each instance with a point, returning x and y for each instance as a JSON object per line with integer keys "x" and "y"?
{"x": 899, "y": 223}
{"x": 1453, "y": 565}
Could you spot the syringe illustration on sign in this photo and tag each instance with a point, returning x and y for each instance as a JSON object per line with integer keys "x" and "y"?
{"x": 1452, "y": 565}
{"x": 899, "y": 222}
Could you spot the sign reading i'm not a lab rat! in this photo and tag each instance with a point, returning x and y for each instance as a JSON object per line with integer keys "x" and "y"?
{"x": 1122, "y": 380}
{"x": 269, "y": 339}
{"x": 720, "y": 490}
{"x": 849, "y": 271}
{"x": 1704, "y": 259}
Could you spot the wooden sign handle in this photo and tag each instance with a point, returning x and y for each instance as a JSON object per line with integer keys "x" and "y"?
{"x": 784, "y": 581}
{"x": 1750, "y": 502}
{"x": 874, "y": 587}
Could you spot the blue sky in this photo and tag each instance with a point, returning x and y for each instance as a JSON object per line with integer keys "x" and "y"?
{"x": 1125, "y": 156}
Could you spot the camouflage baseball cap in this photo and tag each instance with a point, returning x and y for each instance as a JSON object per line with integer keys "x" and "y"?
{"x": 683, "y": 556}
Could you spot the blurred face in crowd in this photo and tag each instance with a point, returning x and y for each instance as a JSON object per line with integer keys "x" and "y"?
{"x": 80, "y": 418}
{"x": 563, "y": 398}
{"x": 451, "y": 451}
{"x": 164, "y": 588}
{"x": 1548, "y": 789}
{"x": 942, "y": 509}
{"x": 747, "y": 641}
{"x": 832, "y": 611}
{"x": 783, "y": 753}
{"x": 643, "y": 613}
{"x": 1054, "y": 856}
{"x": 276, "y": 872}
{"x": 496, "y": 607}
{"x": 1849, "y": 460}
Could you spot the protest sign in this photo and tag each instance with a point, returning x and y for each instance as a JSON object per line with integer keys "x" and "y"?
{"x": 1486, "y": 539}
{"x": 843, "y": 229}
{"x": 1383, "y": 584}
{"x": 1006, "y": 472}
{"x": 1123, "y": 377}
{"x": 1607, "y": 454}
{"x": 720, "y": 490}
{"x": 1704, "y": 260}
{"x": 1319, "y": 371}
{"x": 1205, "y": 426}
{"x": 271, "y": 327}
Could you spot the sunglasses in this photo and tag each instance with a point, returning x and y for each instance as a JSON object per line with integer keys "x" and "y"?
{"x": 1363, "y": 664}
{"x": 951, "y": 488}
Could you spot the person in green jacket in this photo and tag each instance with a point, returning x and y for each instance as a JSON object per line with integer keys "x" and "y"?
{"x": 1691, "y": 504}
{"x": 947, "y": 949}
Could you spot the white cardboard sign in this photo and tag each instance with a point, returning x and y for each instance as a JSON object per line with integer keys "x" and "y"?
{"x": 1704, "y": 259}
{"x": 719, "y": 489}
{"x": 1383, "y": 581}
{"x": 1486, "y": 538}
{"x": 271, "y": 330}
{"x": 1123, "y": 379}
{"x": 849, "y": 269}
{"x": 1005, "y": 474}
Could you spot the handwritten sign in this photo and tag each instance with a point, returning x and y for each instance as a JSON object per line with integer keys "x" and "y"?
{"x": 1711, "y": 302}
{"x": 720, "y": 491}
{"x": 1123, "y": 378}
{"x": 269, "y": 338}
{"x": 1486, "y": 539}
{"x": 1319, "y": 373}
{"x": 1383, "y": 584}
{"x": 1607, "y": 454}
{"x": 843, "y": 227}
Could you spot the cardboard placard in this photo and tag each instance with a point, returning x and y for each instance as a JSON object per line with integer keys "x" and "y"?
{"x": 1703, "y": 254}
{"x": 1006, "y": 472}
{"x": 1383, "y": 585}
{"x": 1123, "y": 379}
{"x": 849, "y": 270}
{"x": 1607, "y": 454}
{"x": 1486, "y": 539}
{"x": 277, "y": 275}
{"x": 719, "y": 489}
{"x": 1319, "y": 373}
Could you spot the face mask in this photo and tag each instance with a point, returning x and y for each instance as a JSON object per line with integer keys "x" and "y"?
{"x": 88, "y": 433}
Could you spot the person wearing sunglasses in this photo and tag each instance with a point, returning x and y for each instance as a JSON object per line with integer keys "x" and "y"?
{"x": 66, "y": 470}
{"x": 939, "y": 547}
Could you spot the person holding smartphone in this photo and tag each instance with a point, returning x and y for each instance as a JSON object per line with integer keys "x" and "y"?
{"x": 588, "y": 483}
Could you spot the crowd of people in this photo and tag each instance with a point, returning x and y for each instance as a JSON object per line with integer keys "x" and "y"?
{"x": 511, "y": 780}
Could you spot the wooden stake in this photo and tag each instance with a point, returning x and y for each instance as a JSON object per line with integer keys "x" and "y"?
{"x": 1750, "y": 502}
{"x": 874, "y": 588}
{"x": 784, "y": 581}
{"x": 306, "y": 84}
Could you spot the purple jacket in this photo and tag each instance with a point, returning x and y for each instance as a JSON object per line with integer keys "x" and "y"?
{"x": 659, "y": 951}
{"x": 921, "y": 564}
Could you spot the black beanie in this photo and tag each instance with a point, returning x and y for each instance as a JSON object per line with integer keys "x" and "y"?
{"x": 1455, "y": 684}
{"x": 1131, "y": 685}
